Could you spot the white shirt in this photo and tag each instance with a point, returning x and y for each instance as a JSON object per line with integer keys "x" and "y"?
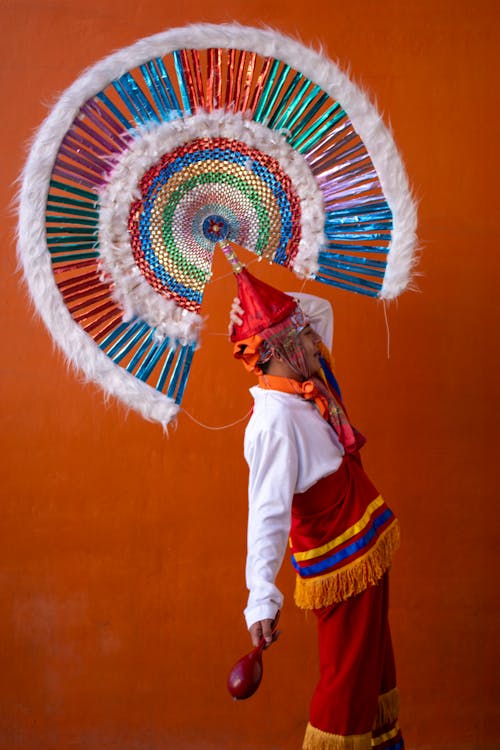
{"x": 288, "y": 448}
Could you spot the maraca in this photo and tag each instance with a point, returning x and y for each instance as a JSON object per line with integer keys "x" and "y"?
{"x": 246, "y": 675}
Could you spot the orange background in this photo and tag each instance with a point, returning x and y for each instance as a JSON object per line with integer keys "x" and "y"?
{"x": 123, "y": 549}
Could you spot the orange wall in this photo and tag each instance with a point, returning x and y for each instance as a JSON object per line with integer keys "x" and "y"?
{"x": 122, "y": 558}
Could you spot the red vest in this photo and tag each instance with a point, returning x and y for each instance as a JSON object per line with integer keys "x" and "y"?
{"x": 343, "y": 536}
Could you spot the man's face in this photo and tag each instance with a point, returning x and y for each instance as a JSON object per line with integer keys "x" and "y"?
{"x": 309, "y": 341}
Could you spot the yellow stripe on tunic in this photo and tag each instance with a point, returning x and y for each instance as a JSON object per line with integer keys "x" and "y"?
{"x": 348, "y": 534}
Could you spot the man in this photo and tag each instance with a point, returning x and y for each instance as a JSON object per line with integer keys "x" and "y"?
{"x": 306, "y": 482}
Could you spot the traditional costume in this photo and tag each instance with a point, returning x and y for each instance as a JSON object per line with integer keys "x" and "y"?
{"x": 307, "y": 485}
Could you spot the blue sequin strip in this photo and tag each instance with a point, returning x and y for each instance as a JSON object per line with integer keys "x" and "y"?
{"x": 134, "y": 346}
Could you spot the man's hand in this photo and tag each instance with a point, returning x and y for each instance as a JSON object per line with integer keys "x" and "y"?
{"x": 264, "y": 629}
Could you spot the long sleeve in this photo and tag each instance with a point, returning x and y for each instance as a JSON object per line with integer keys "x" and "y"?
{"x": 273, "y": 463}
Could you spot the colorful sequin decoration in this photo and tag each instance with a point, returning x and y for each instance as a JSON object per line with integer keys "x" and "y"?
{"x": 206, "y": 191}
{"x": 205, "y": 188}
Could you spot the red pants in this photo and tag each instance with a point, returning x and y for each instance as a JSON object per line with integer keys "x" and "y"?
{"x": 355, "y": 704}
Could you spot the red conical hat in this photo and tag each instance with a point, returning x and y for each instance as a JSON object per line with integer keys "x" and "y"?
{"x": 264, "y": 306}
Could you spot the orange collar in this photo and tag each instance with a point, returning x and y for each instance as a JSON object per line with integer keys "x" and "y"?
{"x": 307, "y": 389}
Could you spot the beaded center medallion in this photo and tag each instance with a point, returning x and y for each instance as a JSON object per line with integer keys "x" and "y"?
{"x": 207, "y": 190}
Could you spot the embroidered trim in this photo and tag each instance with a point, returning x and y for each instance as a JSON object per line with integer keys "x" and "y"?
{"x": 316, "y": 739}
{"x": 352, "y": 579}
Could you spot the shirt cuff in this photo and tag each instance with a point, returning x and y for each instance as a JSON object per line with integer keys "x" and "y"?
{"x": 261, "y": 612}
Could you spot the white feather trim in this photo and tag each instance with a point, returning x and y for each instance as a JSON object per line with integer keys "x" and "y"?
{"x": 32, "y": 247}
{"x": 78, "y": 347}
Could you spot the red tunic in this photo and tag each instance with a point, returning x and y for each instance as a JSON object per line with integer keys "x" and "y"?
{"x": 343, "y": 536}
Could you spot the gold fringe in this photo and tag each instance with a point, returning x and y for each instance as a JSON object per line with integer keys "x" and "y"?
{"x": 316, "y": 739}
{"x": 388, "y": 708}
{"x": 314, "y": 593}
